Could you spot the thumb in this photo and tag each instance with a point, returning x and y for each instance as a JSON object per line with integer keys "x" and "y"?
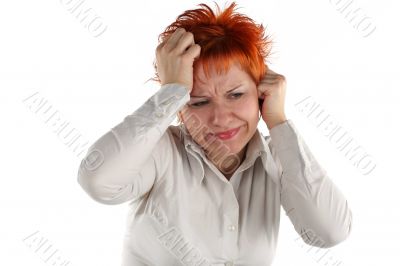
{"x": 194, "y": 51}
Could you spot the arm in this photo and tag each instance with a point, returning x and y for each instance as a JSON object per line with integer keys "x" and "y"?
{"x": 126, "y": 161}
{"x": 316, "y": 207}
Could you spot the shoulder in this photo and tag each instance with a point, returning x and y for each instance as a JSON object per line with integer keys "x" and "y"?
{"x": 175, "y": 136}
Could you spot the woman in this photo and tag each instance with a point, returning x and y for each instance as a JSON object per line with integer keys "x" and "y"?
{"x": 209, "y": 191}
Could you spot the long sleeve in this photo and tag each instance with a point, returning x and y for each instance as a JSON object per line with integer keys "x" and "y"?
{"x": 316, "y": 207}
{"x": 124, "y": 163}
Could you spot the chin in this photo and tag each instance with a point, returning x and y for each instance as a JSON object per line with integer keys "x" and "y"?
{"x": 236, "y": 146}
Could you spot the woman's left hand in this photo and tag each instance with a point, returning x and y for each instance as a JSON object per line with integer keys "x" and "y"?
{"x": 272, "y": 89}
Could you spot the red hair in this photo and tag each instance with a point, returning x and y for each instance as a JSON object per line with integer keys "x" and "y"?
{"x": 224, "y": 37}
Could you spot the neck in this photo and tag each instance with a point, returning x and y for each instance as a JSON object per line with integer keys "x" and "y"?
{"x": 228, "y": 170}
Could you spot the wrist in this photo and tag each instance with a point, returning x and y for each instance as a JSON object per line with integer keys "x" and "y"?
{"x": 272, "y": 122}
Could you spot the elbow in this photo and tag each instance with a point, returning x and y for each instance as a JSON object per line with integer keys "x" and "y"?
{"x": 324, "y": 241}
{"x": 340, "y": 234}
{"x": 337, "y": 238}
{"x": 329, "y": 237}
{"x": 88, "y": 184}
{"x": 99, "y": 192}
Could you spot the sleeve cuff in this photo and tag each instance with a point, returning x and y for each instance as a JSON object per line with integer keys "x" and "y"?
{"x": 284, "y": 135}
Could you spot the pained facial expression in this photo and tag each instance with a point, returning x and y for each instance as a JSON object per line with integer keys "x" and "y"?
{"x": 221, "y": 103}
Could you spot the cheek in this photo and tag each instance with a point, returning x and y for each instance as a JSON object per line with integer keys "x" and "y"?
{"x": 248, "y": 107}
{"x": 193, "y": 119}
{"x": 194, "y": 115}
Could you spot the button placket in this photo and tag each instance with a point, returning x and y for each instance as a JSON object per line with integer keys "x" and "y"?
{"x": 231, "y": 220}
{"x": 231, "y": 227}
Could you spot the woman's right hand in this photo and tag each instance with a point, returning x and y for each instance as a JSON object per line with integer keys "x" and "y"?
{"x": 175, "y": 57}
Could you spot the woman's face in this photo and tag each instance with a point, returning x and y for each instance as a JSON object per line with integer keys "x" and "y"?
{"x": 222, "y": 103}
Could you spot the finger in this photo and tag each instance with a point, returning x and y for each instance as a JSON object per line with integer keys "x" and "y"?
{"x": 259, "y": 94}
{"x": 270, "y": 82}
{"x": 185, "y": 42}
{"x": 271, "y": 71}
{"x": 264, "y": 90}
{"x": 193, "y": 51}
{"x": 174, "y": 39}
{"x": 271, "y": 75}
{"x": 165, "y": 40}
{"x": 268, "y": 77}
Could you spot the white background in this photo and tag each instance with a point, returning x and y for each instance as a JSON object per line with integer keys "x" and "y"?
{"x": 94, "y": 82}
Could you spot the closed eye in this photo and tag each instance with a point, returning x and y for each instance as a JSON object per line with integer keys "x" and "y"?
{"x": 234, "y": 95}
{"x": 237, "y": 95}
{"x": 198, "y": 104}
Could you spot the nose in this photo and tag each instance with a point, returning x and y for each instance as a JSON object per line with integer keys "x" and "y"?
{"x": 221, "y": 115}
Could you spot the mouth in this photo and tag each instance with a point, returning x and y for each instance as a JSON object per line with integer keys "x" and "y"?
{"x": 226, "y": 135}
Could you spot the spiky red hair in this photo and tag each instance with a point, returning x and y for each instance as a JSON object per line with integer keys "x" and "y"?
{"x": 224, "y": 37}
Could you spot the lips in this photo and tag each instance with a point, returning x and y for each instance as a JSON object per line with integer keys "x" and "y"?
{"x": 227, "y": 134}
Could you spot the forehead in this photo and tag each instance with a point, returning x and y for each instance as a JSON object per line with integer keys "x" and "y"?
{"x": 233, "y": 75}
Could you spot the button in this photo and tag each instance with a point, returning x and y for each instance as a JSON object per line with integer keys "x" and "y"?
{"x": 159, "y": 114}
{"x": 231, "y": 227}
{"x": 229, "y": 263}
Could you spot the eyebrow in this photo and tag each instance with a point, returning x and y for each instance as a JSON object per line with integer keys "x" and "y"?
{"x": 225, "y": 93}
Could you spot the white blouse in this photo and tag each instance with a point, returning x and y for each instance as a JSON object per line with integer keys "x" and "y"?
{"x": 183, "y": 211}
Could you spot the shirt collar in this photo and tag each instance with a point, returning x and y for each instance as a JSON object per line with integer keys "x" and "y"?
{"x": 256, "y": 147}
